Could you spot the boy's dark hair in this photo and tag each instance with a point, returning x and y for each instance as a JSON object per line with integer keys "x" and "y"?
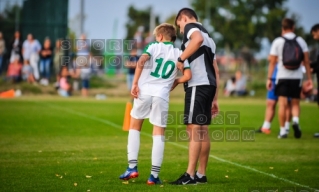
{"x": 287, "y": 24}
{"x": 190, "y": 13}
{"x": 315, "y": 28}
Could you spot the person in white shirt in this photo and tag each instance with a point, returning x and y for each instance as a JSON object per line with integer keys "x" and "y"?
{"x": 30, "y": 50}
{"x": 288, "y": 80}
{"x": 154, "y": 78}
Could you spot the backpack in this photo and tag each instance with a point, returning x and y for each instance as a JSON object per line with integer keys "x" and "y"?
{"x": 292, "y": 55}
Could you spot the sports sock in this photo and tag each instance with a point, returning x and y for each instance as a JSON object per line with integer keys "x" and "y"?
{"x": 199, "y": 175}
{"x": 295, "y": 120}
{"x": 266, "y": 125}
{"x": 157, "y": 154}
{"x": 133, "y": 146}
{"x": 287, "y": 125}
{"x": 283, "y": 131}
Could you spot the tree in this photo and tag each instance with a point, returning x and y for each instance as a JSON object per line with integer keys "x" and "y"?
{"x": 138, "y": 18}
{"x": 8, "y": 19}
{"x": 240, "y": 23}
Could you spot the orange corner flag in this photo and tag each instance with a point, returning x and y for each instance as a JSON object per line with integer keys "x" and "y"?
{"x": 7, "y": 94}
{"x": 127, "y": 116}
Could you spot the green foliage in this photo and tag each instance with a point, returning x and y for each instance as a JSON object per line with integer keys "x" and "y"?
{"x": 243, "y": 23}
{"x": 138, "y": 18}
{"x": 8, "y": 21}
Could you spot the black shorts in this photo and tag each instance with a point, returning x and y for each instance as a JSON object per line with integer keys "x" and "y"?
{"x": 288, "y": 88}
{"x": 198, "y": 104}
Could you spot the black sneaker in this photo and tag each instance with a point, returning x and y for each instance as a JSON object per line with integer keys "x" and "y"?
{"x": 284, "y": 136}
{"x": 202, "y": 180}
{"x": 184, "y": 179}
{"x": 297, "y": 130}
{"x": 258, "y": 130}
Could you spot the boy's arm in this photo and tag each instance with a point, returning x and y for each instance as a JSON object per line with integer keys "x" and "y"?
{"x": 187, "y": 75}
{"x": 138, "y": 71}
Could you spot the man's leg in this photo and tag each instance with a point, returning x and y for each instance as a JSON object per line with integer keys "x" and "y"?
{"x": 295, "y": 110}
{"x": 204, "y": 152}
{"x": 283, "y": 102}
{"x": 269, "y": 115}
{"x": 288, "y": 117}
{"x": 194, "y": 148}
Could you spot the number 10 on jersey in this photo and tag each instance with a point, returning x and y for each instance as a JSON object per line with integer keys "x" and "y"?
{"x": 165, "y": 74}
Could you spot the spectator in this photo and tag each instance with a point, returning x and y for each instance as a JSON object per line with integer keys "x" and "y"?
{"x": 230, "y": 87}
{"x": 16, "y": 47}
{"x": 64, "y": 84}
{"x": 45, "y": 62}
{"x": 2, "y": 49}
{"x": 30, "y": 50}
{"x": 315, "y": 64}
{"x": 241, "y": 82}
{"x": 85, "y": 74}
{"x": 131, "y": 65}
{"x": 14, "y": 70}
{"x": 58, "y": 52}
{"x": 27, "y": 72}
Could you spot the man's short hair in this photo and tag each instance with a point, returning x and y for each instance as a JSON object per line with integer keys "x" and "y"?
{"x": 315, "y": 28}
{"x": 190, "y": 13}
{"x": 287, "y": 24}
{"x": 167, "y": 30}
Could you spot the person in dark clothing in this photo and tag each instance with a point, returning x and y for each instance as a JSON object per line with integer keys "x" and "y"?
{"x": 15, "y": 48}
{"x": 315, "y": 65}
{"x": 45, "y": 62}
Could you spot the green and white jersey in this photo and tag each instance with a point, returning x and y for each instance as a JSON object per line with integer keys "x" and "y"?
{"x": 160, "y": 70}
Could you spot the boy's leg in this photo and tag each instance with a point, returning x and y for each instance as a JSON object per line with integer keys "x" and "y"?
{"x": 133, "y": 145}
{"x": 157, "y": 150}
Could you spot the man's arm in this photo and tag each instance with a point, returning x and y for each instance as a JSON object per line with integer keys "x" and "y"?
{"x": 196, "y": 40}
{"x": 138, "y": 71}
{"x": 306, "y": 63}
{"x": 271, "y": 68}
{"x": 217, "y": 78}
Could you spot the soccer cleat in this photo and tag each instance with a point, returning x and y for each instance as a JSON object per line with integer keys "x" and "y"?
{"x": 153, "y": 181}
{"x": 284, "y": 136}
{"x": 258, "y": 130}
{"x": 297, "y": 130}
{"x": 184, "y": 179}
{"x": 129, "y": 173}
{"x": 202, "y": 180}
{"x": 263, "y": 130}
{"x": 316, "y": 135}
{"x": 266, "y": 131}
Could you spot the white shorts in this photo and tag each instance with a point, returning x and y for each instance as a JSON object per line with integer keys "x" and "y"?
{"x": 154, "y": 108}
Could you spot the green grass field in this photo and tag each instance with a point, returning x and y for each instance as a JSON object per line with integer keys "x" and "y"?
{"x": 53, "y": 144}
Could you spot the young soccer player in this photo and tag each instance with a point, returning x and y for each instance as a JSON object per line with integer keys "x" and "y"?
{"x": 154, "y": 77}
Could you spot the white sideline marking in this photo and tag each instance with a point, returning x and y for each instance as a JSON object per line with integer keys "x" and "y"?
{"x": 182, "y": 146}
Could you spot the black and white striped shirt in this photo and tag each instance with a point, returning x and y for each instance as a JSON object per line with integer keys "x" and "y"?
{"x": 201, "y": 62}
